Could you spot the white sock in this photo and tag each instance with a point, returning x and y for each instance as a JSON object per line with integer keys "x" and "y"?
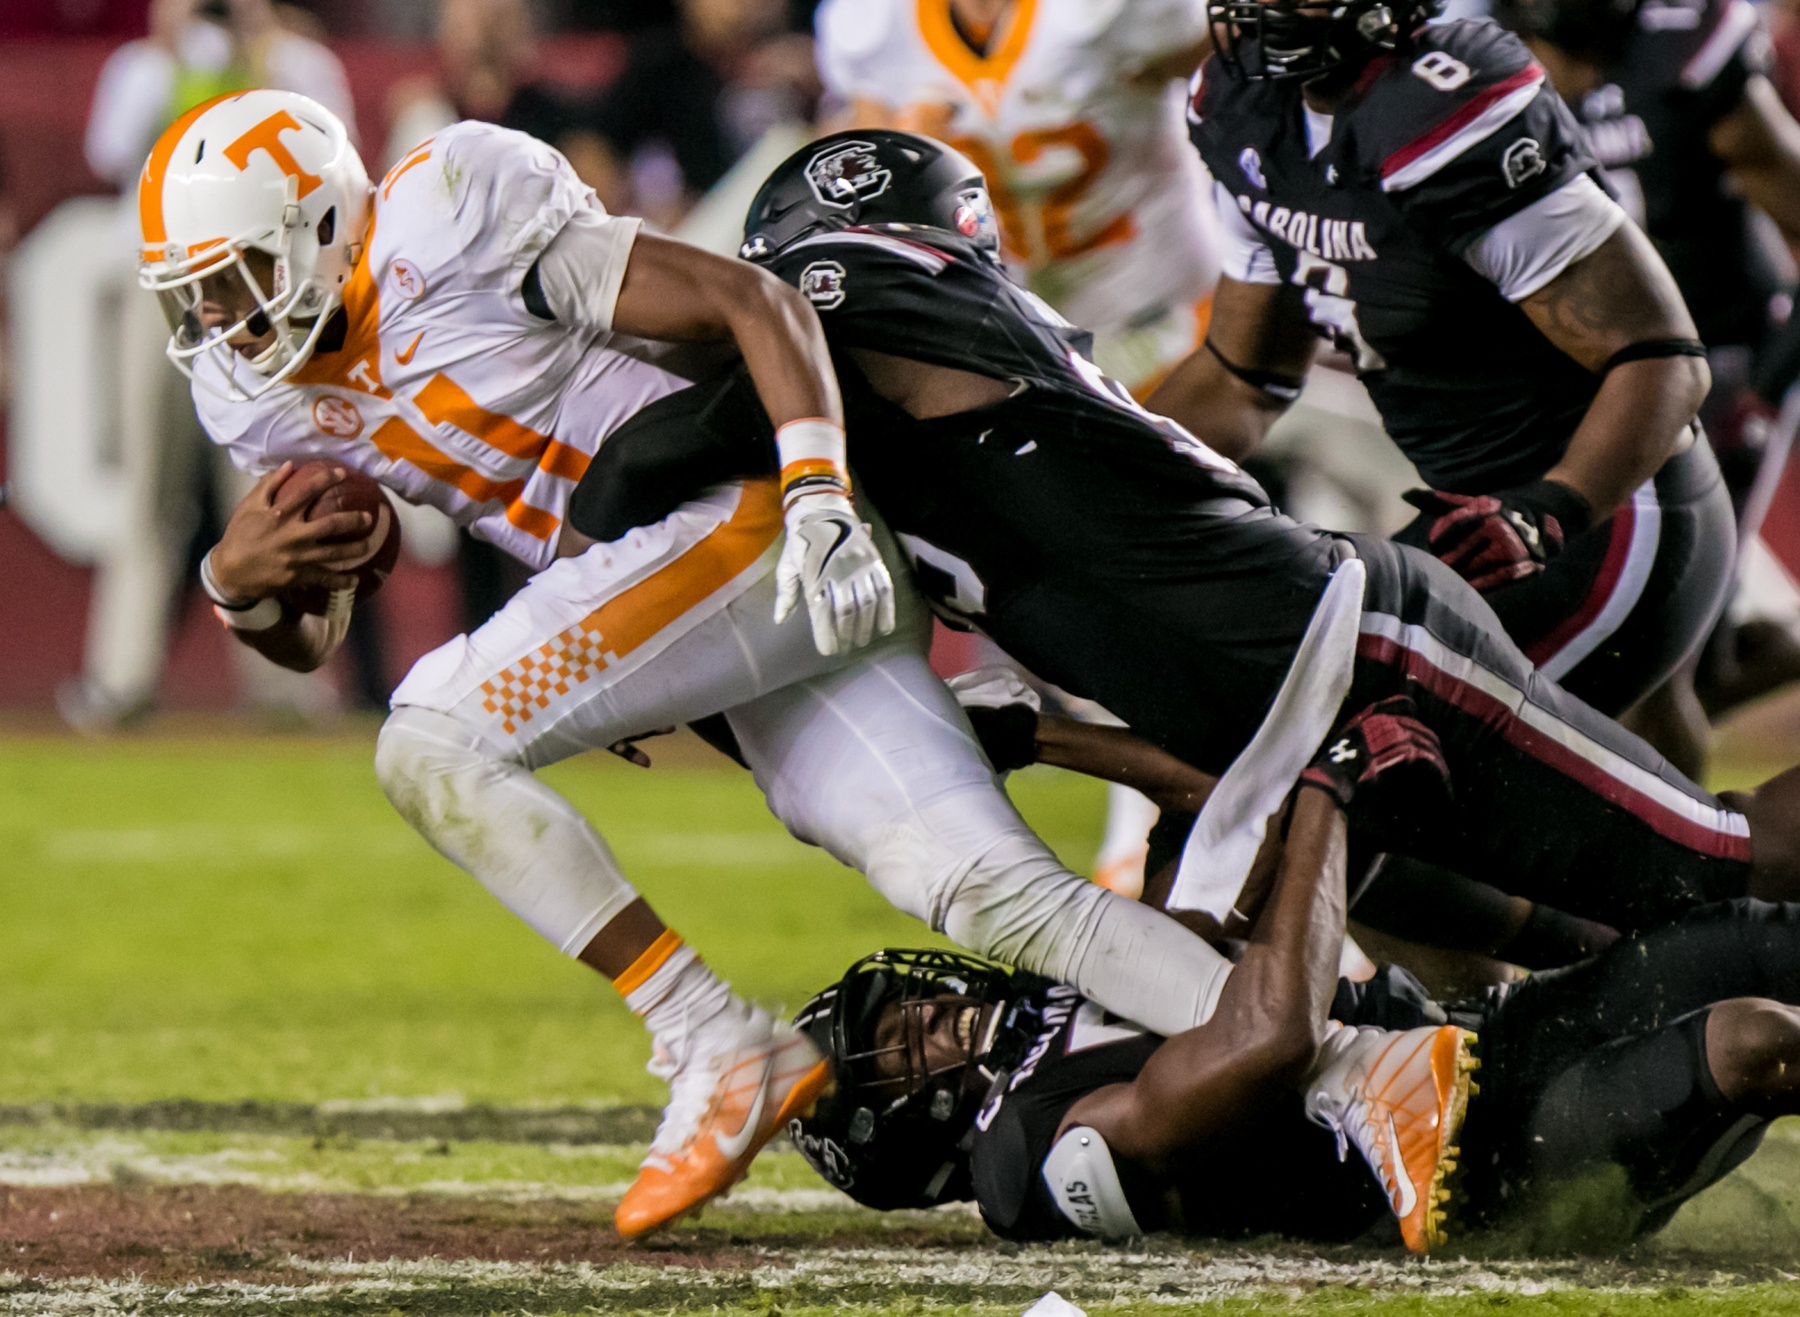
{"x": 680, "y": 999}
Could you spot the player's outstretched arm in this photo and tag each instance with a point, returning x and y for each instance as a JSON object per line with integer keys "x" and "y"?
{"x": 1232, "y": 388}
{"x": 269, "y": 546}
{"x": 1270, "y": 1019}
{"x": 1604, "y": 310}
{"x": 1760, "y": 142}
{"x": 678, "y": 293}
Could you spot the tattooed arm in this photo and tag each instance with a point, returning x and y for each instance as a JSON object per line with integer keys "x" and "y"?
{"x": 1619, "y": 294}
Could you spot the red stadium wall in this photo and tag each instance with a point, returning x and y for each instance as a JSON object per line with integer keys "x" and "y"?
{"x": 46, "y": 86}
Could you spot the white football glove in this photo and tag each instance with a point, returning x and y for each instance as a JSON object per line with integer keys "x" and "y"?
{"x": 830, "y": 559}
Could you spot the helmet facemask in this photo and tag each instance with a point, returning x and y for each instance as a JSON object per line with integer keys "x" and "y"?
{"x": 894, "y": 1131}
{"x": 295, "y": 308}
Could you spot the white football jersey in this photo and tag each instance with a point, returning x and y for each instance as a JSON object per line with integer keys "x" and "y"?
{"x": 447, "y": 389}
{"x": 1100, "y": 197}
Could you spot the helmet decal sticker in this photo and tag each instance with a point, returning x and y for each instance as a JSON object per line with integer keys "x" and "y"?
{"x": 847, "y": 173}
{"x": 266, "y": 136}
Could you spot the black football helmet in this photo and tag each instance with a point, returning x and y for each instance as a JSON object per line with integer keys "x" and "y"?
{"x": 1595, "y": 30}
{"x": 892, "y": 1132}
{"x": 1282, "y": 40}
{"x": 876, "y": 176}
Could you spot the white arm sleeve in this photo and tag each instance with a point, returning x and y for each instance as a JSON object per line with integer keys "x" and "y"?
{"x": 1243, "y": 255}
{"x": 1523, "y": 252}
{"x": 583, "y": 268}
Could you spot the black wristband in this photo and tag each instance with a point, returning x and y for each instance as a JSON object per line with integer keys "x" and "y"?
{"x": 1572, "y": 512}
{"x": 1651, "y": 348}
{"x": 1282, "y": 388}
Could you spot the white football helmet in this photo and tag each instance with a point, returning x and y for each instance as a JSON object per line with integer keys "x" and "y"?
{"x": 255, "y": 171}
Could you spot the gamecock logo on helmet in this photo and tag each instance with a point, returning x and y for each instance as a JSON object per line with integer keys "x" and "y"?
{"x": 847, "y": 173}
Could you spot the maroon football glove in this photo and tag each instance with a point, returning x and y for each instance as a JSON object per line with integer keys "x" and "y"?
{"x": 1492, "y": 539}
{"x": 1387, "y": 751}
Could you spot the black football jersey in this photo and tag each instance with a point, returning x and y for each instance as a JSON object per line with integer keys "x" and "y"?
{"x": 1684, "y": 69}
{"x": 1064, "y": 515}
{"x": 1438, "y": 144}
{"x": 1283, "y": 1178}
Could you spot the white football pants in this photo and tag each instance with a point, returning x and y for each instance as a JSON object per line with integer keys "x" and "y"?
{"x": 866, "y": 755}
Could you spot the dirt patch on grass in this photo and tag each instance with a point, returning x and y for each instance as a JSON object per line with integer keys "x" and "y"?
{"x": 198, "y": 1233}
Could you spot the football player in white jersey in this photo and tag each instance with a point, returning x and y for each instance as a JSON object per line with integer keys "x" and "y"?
{"x": 468, "y": 333}
{"x": 1069, "y": 108}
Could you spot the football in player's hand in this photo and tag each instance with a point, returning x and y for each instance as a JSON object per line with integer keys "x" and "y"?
{"x": 356, "y": 492}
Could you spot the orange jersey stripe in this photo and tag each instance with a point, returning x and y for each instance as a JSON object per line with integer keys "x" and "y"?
{"x": 561, "y": 460}
{"x": 398, "y": 441}
{"x": 422, "y": 154}
{"x": 444, "y": 402}
{"x": 535, "y": 522}
{"x": 150, "y": 183}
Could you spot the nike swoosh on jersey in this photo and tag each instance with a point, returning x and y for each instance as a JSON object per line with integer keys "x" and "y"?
{"x": 732, "y": 1146}
{"x": 405, "y": 358}
{"x": 1409, "y": 1196}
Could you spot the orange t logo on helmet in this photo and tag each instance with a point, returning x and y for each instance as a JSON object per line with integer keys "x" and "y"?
{"x": 266, "y": 136}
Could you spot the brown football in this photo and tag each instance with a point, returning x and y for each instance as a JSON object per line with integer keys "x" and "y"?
{"x": 354, "y": 493}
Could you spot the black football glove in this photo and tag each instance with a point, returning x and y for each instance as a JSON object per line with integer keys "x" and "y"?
{"x": 1384, "y": 756}
{"x": 1493, "y": 539}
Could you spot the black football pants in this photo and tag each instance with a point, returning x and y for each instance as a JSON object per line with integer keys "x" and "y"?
{"x": 1552, "y": 801}
{"x": 1615, "y": 614}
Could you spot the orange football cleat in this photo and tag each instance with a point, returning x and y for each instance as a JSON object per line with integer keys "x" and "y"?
{"x": 723, "y": 1108}
{"x": 1400, "y": 1097}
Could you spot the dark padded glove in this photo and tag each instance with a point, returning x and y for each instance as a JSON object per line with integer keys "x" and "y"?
{"x": 1492, "y": 539}
{"x": 1385, "y": 753}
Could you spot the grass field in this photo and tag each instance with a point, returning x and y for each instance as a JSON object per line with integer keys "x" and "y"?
{"x": 264, "y": 1052}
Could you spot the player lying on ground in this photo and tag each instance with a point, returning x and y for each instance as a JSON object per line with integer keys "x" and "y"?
{"x": 468, "y": 334}
{"x": 1116, "y": 556}
{"x": 1648, "y": 1072}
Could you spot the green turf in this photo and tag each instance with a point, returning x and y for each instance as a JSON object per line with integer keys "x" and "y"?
{"x": 242, "y": 918}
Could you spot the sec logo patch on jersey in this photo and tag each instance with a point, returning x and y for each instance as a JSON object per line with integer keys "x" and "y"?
{"x": 337, "y": 417}
{"x": 822, "y": 284}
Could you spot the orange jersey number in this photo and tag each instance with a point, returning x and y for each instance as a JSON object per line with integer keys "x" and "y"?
{"x": 1061, "y": 241}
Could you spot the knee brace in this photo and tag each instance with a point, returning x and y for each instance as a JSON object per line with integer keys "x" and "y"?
{"x": 489, "y": 815}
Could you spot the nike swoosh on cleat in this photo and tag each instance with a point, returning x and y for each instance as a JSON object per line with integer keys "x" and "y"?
{"x": 733, "y": 1146}
{"x": 1409, "y": 1196}
{"x": 405, "y": 358}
